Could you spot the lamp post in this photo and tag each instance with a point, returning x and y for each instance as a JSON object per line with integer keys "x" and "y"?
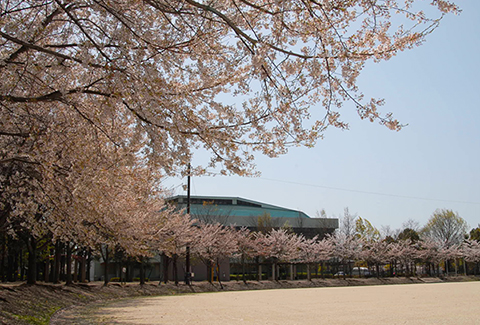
{"x": 187, "y": 253}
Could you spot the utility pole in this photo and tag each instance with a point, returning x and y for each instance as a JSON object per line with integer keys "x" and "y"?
{"x": 187, "y": 253}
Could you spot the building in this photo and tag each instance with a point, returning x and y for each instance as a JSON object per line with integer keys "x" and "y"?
{"x": 241, "y": 212}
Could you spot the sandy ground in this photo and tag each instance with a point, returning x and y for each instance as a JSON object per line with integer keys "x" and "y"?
{"x": 439, "y": 303}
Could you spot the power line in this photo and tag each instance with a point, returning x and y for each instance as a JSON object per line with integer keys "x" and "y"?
{"x": 365, "y": 192}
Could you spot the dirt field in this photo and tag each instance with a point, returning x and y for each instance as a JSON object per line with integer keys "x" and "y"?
{"x": 433, "y": 303}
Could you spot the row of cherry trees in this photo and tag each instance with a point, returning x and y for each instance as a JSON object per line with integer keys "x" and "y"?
{"x": 282, "y": 246}
{"x": 212, "y": 243}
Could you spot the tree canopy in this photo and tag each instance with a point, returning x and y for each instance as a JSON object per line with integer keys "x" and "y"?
{"x": 169, "y": 70}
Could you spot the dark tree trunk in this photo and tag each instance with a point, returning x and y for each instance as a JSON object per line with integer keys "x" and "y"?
{"x": 57, "y": 262}
{"x": 4, "y": 251}
{"x": 32, "y": 260}
{"x": 69, "y": 280}
{"x": 142, "y": 272}
{"x": 22, "y": 265}
{"x": 46, "y": 268}
{"x": 243, "y": 270}
{"x": 259, "y": 269}
{"x": 10, "y": 264}
{"x": 209, "y": 271}
{"x": 62, "y": 265}
{"x": 166, "y": 261}
{"x": 275, "y": 271}
{"x": 165, "y": 268}
{"x": 15, "y": 266}
{"x": 218, "y": 274}
{"x": 175, "y": 270}
{"x": 105, "y": 259}
{"x": 88, "y": 262}
{"x": 51, "y": 265}
{"x": 75, "y": 269}
{"x": 82, "y": 270}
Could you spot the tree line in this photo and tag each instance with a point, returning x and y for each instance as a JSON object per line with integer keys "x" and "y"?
{"x": 355, "y": 244}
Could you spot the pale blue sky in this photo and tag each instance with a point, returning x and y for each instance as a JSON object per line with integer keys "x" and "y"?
{"x": 433, "y": 163}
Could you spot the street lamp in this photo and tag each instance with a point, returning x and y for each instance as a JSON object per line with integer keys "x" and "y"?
{"x": 187, "y": 253}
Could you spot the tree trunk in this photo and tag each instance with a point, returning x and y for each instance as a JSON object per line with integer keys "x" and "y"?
{"x": 105, "y": 273}
{"x": 75, "y": 269}
{"x": 243, "y": 270}
{"x": 22, "y": 266}
{"x": 165, "y": 268}
{"x": 88, "y": 260}
{"x": 4, "y": 251}
{"x": 209, "y": 271}
{"x": 259, "y": 272}
{"x": 175, "y": 271}
{"x": 68, "y": 278}
{"x": 309, "y": 276}
{"x": 82, "y": 270}
{"x": 57, "y": 257}
{"x": 16, "y": 258}
{"x": 142, "y": 272}
{"x": 218, "y": 274}
{"x": 46, "y": 268}
{"x": 62, "y": 264}
{"x": 11, "y": 262}
{"x": 32, "y": 260}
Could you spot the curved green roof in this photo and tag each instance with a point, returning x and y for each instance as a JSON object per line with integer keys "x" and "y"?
{"x": 233, "y": 206}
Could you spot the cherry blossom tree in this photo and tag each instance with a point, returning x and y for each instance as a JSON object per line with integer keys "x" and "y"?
{"x": 308, "y": 253}
{"x": 449, "y": 253}
{"x": 166, "y": 67}
{"x": 429, "y": 253}
{"x": 375, "y": 253}
{"x": 177, "y": 232}
{"x": 471, "y": 251}
{"x": 281, "y": 246}
{"x": 405, "y": 252}
{"x": 92, "y": 200}
{"x": 315, "y": 251}
{"x": 213, "y": 243}
{"x": 347, "y": 249}
{"x": 246, "y": 247}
